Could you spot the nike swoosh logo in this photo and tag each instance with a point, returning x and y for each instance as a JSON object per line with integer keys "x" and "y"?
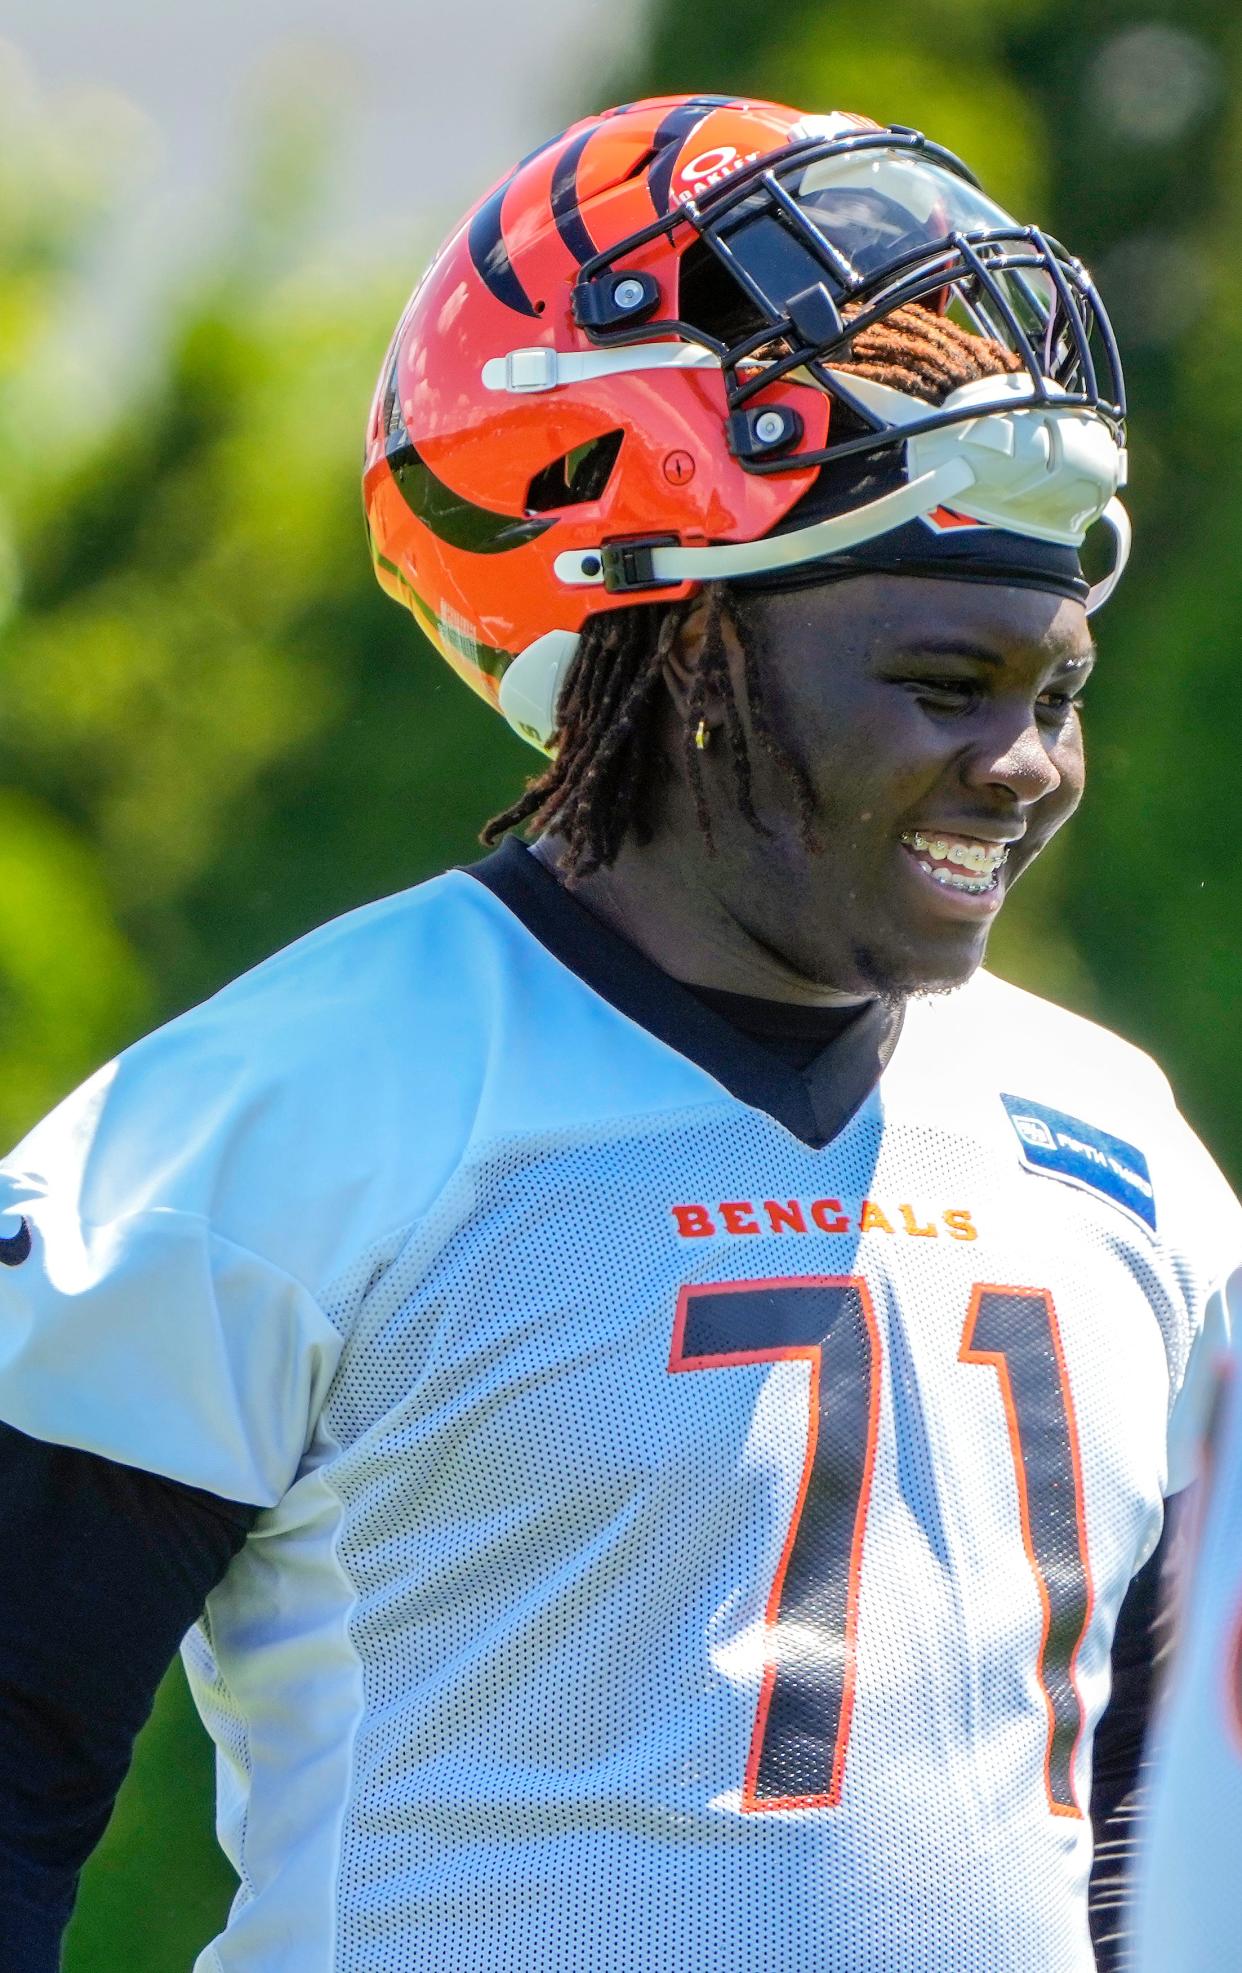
{"x": 17, "y": 1249}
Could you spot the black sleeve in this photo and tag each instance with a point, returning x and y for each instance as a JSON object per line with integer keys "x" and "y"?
{"x": 103, "y": 1569}
{"x": 1141, "y": 1647}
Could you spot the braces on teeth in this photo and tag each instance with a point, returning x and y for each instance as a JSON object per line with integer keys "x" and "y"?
{"x": 978, "y": 864}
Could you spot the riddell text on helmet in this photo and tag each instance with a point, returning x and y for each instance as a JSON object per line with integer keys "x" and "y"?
{"x": 736, "y": 1216}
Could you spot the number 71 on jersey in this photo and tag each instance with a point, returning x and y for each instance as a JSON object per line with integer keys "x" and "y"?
{"x": 806, "y": 1700}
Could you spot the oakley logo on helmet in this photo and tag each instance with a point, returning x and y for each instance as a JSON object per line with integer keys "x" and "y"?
{"x": 710, "y": 161}
{"x": 515, "y": 478}
{"x": 712, "y": 168}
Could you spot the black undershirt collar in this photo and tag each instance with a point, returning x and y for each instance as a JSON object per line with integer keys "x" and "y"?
{"x": 797, "y": 1034}
{"x": 814, "y": 1099}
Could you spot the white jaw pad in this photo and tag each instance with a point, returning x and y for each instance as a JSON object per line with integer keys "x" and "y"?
{"x": 1048, "y": 471}
{"x": 532, "y": 685}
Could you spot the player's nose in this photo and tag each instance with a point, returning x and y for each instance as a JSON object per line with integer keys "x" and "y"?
{"x": 1010, "y": 751}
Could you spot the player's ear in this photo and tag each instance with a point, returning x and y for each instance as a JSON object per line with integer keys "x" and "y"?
{"x": 705, "y": 619}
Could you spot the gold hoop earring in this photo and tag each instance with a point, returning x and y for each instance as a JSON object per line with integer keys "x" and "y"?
{"x": 702, "y": 735}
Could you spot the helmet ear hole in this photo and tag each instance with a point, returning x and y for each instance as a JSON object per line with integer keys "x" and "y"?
{"x": 576, "y": 477}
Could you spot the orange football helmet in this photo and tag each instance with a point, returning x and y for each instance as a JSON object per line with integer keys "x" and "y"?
{"x": 615, "y": 381}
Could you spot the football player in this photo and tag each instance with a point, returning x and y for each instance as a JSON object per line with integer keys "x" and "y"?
{"x": 1189, "y": 1902}
{"x": 656, "y": 1409}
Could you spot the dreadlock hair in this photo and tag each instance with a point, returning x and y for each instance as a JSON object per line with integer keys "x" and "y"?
{"x": 598, "y": 789}
{"x": 926, "y": 354}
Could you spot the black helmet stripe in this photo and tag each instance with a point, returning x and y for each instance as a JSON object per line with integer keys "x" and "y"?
{"x": 669, "y": 139}
{"x": 569, "y": 222}
{"x": 491, "y": 256}
{"x": 487, "y": 242}
{"x": 450, "y": 516}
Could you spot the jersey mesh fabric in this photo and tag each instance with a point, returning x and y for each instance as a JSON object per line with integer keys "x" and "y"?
{"x": 227, "y": 1724}
{"x": 561, "y": 1555}
{"x": 572, "y": 1542}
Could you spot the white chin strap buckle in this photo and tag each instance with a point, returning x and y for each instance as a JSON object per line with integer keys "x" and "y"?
{"x": 1115, "y": 517}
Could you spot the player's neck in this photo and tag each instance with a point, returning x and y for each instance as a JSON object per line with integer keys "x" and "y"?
{"x": 659, "y": 897}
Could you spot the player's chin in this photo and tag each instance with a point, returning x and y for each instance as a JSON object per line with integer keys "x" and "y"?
{"x": 928, "y": 934}
{"x": 901, "y": 965}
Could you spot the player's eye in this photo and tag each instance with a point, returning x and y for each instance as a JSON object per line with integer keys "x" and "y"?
{"x": 949, "y": 695}
{"x": 1057, "y": 705}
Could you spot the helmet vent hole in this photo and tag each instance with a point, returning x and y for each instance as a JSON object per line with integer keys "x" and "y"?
{"x": 636, "y": 170}
{"x": 576, "y": 477}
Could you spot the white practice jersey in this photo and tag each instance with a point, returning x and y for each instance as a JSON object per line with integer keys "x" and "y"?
{"x": 686, "y": 1545}
{"x": 1188, "y": 1916}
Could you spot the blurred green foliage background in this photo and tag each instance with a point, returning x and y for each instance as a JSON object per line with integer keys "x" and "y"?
{"x": 214, "y": 731}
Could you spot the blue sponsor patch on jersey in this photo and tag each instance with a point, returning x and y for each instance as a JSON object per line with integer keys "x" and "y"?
{"x": 1065, "y": 1147}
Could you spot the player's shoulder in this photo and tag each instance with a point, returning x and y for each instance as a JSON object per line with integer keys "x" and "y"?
{"x": 336, "y": 1016}
{"x": 327, "y": 1099}
{"x": 413, "y": 947}
{"x": 355, "y": 995}
{"x": 1012, "y": 1032}
{"x": 328, "y": 1088}
{"x": 1072, "y": 1100}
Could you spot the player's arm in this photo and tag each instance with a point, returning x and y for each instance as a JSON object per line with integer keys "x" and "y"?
{"x": 1141, "y": 1647}
{"x": 103, "y": 1568}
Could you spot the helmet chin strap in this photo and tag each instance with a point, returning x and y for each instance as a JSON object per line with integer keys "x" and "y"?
{"x": 1116, "y": 517}
{"x": 1038, "y": 469}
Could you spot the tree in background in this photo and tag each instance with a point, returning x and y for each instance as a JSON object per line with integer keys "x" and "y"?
{"x": 214, "y": 731}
